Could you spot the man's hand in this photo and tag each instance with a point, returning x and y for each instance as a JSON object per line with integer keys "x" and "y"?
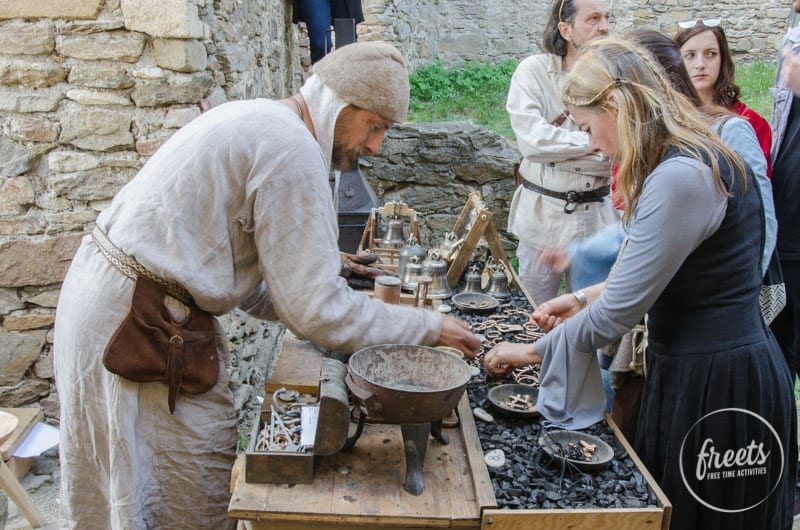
{"x": 456, "y": 334}
{"x": 791, "y": 70}
{"x": 357, "y": 270}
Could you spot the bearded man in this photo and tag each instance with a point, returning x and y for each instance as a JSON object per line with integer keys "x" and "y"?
{"x": 563, "y": 187}
{"x": 234, "y": 210}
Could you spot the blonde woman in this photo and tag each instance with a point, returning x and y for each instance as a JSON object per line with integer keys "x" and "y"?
{"x": 717, "y": 426}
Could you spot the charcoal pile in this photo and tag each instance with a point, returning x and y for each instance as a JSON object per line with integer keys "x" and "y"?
{"x": 530, "y": 478}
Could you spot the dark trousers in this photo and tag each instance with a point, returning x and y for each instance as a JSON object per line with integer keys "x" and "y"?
{"x": 317, "y": 14}
{"x": 786, "y": 326}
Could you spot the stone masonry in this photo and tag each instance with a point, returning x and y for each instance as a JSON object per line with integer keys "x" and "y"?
{"x": 89, "y": 89}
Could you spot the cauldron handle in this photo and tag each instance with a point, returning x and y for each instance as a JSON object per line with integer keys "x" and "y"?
{"x": 362, "y": 419}
{"x": 360, "y": 392}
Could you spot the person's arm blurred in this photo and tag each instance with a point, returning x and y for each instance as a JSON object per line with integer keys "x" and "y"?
{"x": 791, "y": 70}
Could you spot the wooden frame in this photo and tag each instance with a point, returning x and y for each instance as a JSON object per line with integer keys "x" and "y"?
{"x": 388, "y": 258}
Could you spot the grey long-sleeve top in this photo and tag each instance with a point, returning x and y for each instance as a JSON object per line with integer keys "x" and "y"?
{"x": 680, "y": 207}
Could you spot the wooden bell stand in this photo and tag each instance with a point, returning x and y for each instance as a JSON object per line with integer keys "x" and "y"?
{"x": 388, "y": 258}
{"x": 482, "y": 227}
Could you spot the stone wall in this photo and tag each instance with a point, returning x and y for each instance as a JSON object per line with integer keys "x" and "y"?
{"x": 495, "y": 30}
{"x": 433, "y": 167}
{"x": 89, "y": 89}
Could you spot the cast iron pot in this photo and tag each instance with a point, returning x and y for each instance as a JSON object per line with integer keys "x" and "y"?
{"x": 401, "y": 383}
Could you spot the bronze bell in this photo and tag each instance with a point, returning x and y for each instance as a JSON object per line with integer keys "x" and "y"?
{"x": 498, "y": 282}
{"x": 411, "y": 272}
{"x": 472, "y": 281}
{"x": 412, "y": 248}
{"x": 394, "y": 237}
{"x": 436, "y": 267}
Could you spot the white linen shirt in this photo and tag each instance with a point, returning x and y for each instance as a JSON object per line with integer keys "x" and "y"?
{"x": 554, "y": 157}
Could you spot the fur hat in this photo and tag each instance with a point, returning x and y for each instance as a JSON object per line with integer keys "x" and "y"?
{"x": 370, "y": 75}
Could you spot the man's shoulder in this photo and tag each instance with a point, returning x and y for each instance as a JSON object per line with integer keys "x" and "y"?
{"x": 541, "y": 59}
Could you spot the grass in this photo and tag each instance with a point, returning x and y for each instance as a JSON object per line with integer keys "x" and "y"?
{"x": 478, "y": 91}
{"x": 755, "y": 80}
{"x": 475, "y": 91}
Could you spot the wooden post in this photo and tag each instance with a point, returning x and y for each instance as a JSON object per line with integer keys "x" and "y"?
{"x": 15, "y": 492}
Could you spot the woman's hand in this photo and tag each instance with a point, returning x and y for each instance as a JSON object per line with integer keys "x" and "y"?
{"x": 507, "y": 355}
{"x": 555, "y": 311}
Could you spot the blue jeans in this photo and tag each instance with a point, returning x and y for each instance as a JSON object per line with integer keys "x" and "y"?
{"x": 317, "y": 15}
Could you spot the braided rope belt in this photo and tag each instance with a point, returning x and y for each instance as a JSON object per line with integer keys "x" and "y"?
{"x": 131, "y": 268}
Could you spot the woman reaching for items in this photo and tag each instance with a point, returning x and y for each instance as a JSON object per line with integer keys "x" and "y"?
{"x": 716, "y": 384}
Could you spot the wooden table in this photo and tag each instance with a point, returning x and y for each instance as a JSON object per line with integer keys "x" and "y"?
{"x": 362, "y": 488}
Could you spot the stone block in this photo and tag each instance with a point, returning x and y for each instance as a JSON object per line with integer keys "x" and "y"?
{"x": 97, "y": 97}
{"x": 29, "y": 321}
{"x": 150, "y": 146}
{"x": 24, "y": 393}
{"x": 9, "y": 301}
{"x": 69, "y": 9}
{"x": 171, "y": 90}
{"x": 30, "y": 129}
{"x": 125, "y": 46}
{"x": 18, "y": 351}
{"x": 178, "y": 117}
{"x": 29, "y": 73}
{"x": 100, "y": 75}
{"x": 181, "y": 55}
{"x": 94, "y": 184}
{"x": 70, "y": 161}
{"x": 177, "y": 19}
{"x": 19, "y": 100}
{"x": 18, "y": 37}
{"x": 15, "y": 159}
{"x": 97, "y": 129}
{"x": 36, "y": 262}
{"x": 42, "y": 297}
{"x": 16, "y": 195}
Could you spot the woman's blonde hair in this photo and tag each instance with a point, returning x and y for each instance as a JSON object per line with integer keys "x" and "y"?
{"x": 651, "y": 116}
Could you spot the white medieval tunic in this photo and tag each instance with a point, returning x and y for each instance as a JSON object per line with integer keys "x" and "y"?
{"x": 237, "y": 208}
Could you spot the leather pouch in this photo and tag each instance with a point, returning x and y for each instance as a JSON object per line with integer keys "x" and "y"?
{"x": 150, "y": 346}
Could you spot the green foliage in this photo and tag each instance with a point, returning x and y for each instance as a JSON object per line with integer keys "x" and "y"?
{"x": 755, "y": 79}
{"x": 478, "y": 91}
{"x": 473, "y": 91}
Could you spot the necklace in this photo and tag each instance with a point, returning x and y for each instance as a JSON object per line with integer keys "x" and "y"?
{"x": 299, "y": 108}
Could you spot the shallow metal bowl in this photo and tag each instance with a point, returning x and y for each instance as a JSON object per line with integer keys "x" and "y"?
{"x": 478, "y": 303}
{"x": 554, "y": 442}
{"x": 500, "y": 394}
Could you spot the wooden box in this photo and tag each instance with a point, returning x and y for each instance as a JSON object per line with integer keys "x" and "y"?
{"x": 292, "y": 467}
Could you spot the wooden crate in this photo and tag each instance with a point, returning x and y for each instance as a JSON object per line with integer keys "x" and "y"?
{"x": 653, "y": 518}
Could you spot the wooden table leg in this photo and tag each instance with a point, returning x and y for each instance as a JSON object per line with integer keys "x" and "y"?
{"x": 15, "y": 492}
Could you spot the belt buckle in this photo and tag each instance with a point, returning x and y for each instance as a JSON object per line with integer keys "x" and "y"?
{"x": 572, "y": 198}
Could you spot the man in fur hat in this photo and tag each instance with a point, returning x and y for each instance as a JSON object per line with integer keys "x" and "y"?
{"x": 234, "y": 210}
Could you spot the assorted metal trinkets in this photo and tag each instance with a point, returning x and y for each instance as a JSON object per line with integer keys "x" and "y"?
{"x": 283, "y": 433}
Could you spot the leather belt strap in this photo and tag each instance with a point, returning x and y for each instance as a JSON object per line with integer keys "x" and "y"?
{"x": 571, "y": 198}
{"x": 130, "y": 267}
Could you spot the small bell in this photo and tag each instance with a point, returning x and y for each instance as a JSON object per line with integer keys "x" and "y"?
{"x": 412, "y": 248}
{"x": 412, "y": 271}
{"x": 394, "y": 237}
{"x": 498, "y": 284}
{"x": 436, "y": 268}
{"x": 472, "y": 281}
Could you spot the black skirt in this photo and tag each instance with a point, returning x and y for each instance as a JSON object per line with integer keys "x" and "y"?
{"x": 718, "y": 431}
